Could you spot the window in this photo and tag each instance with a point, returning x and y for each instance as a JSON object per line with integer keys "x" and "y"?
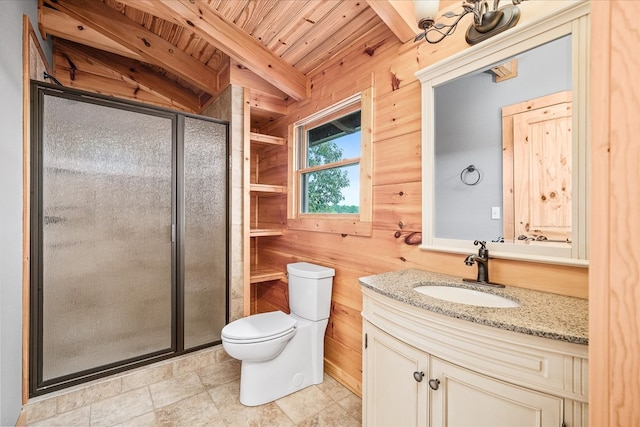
{"x": 330, "y": 172}
{"x": 331, "y": 181}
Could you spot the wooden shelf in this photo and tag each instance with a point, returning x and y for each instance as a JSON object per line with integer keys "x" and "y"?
{"x": 264, "y": 274}
{"x": 260, "y": 232}
{"x": 262, "y": 139}
{"x": 264, "y": 207}
{"x": 267, "y": 188}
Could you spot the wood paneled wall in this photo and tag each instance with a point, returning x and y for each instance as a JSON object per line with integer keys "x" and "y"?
{"x": 397, "y": 194}
{"x": 614, "y": 279}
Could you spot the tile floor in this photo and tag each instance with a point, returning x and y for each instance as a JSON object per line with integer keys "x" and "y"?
{"x": 188, "y": 392}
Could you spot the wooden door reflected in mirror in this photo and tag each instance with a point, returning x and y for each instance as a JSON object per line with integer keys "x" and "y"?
{"x": 537, "y": 170}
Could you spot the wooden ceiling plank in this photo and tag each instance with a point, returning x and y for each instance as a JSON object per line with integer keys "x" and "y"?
{"x": 338, "y": 20}
{"x": 331, "y": 49}
{"x": 278, "y": 18}
{"x": 254, "y": 13}
{"x": 150, "y": 46}
{"x": 133, "y": 72}
{"x": 209, "y": 24}
{"x": 232, "y": 9}
{"x": 341, "y": 37}
{"x": 55, "y": 23}
{"x": 298, "y": 28}
{"x": 399, "y": 16}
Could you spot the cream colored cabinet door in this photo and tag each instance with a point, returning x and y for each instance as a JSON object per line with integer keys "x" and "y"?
{"x": 464, "y": 398}
{"x": 393, "y": 396}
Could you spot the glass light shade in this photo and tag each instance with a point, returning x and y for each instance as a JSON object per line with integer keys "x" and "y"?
{"x": 426, "y": 8}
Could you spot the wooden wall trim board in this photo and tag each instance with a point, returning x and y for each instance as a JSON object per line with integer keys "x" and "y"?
{"x": 614, "y": 309}
{"x": 599, "y": 249}
{"x": 246, "y": 206}
{"x": 34, "y": 64}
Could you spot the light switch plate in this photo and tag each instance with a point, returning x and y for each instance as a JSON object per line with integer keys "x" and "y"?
{"x": 495, "y": 212}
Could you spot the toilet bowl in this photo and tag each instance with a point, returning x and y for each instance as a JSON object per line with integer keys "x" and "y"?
{"x": 283, "y": 353}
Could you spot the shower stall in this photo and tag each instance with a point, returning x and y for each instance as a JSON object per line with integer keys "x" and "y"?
{"x": 129, "y": 240}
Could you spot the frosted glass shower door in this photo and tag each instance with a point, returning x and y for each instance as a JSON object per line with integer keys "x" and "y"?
{"x": 205, "y": 231}
{"x": 107, "y": 188}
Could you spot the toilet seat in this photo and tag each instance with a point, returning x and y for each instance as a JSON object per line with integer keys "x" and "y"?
{"x": 259, "y": 327}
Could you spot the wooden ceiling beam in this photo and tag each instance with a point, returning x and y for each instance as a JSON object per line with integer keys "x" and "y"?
{"x": 399, "y": 15}
{"x": 204, "y": 20}
{"x": 86, "y": 76}
{"x": 151, "y": 47}
{"x": 135, "y": 73}
{"x": 240, "y": 75}
{"x": 55, "y": 23}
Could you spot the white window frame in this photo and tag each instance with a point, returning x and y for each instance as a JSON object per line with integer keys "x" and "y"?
{"x": 351, "y": 224}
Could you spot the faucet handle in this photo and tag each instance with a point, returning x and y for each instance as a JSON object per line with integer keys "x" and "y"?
{"x": 482, "y": 251}
{"x": 482, "y": 243}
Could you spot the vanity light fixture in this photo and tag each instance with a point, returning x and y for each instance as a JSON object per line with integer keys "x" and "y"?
{"x": 488, "y": 19}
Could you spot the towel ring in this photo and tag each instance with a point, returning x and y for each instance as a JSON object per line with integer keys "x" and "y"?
{"x": 469, "y": 170}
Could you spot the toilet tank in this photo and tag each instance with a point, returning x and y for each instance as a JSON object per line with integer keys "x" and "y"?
{"x": 310, "y": 290}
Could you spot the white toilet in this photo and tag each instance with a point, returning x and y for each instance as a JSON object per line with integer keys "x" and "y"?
{"x": 283, "y": 353}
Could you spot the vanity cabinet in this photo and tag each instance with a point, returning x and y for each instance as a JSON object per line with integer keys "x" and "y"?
{"x": 424, "y": 369}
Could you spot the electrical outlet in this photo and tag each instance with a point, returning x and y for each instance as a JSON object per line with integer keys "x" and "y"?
{"x": 495, "y": 212}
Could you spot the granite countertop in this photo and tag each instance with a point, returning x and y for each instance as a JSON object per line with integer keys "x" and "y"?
{"x": 541, "y": 314}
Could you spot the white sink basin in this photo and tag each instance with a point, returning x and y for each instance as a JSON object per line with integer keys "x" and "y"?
{"x": 466, "y": 296}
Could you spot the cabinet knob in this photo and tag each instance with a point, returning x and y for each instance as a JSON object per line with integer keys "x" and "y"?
{"x": 418, "y": 376}
{"x": 434, "y": 384}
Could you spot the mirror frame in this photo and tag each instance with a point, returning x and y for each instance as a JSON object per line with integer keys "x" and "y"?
{"x": 573, "y": 19}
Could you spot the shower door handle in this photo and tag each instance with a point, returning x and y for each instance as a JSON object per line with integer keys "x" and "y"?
{"x": 173, "y": 233}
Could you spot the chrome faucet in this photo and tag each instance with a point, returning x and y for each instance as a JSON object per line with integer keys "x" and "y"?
{"x": 482, "y": 259}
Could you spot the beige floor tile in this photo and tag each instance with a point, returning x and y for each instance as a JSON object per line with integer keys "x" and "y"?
{"x": 353, "y": 405}
{"x": 304, "y": 403}
{"x": 227, "y": 397}
{"x": 206, "y": 394}
{"x": 194, "y": 411}
{"x": 145, "y": 420}
{"x": 121, "y": 408}
{"x": 219, "y": 373}
{"x": 75, "y": 417}
{"x": 333, "y": 388}
{"x": 146, "y": 377}
{"x": 333, "y": 416}
{"x": 194, "y": 362}
{"x": 170, "y": 391}
{"x": 268, "y": 415}
{"x": 40, "y": 410}
{"x": 88, "y": 395}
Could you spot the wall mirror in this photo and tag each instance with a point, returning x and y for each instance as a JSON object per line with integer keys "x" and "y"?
{"x": 505, "y": 143}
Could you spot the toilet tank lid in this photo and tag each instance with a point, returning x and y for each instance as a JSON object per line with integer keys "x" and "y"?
{"x": 310, "y": 271}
